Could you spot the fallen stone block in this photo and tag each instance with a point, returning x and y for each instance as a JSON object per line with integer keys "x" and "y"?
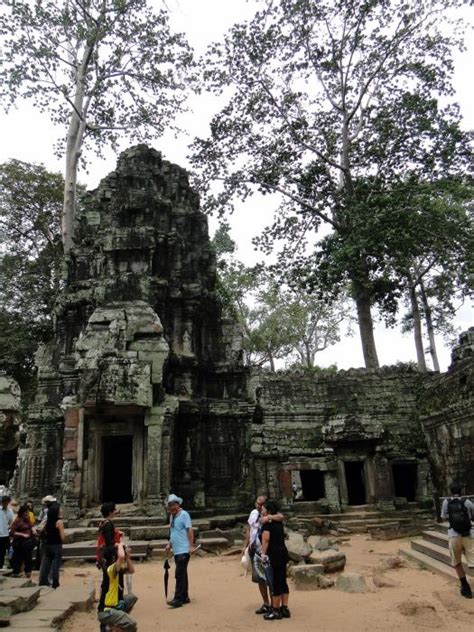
{"x": 298, "y": 549}
{"x": 331, "y": 560}
{"x": 214, "y": 544}
{"x": 306, "y": 576}
{"x": 352, "y": 583}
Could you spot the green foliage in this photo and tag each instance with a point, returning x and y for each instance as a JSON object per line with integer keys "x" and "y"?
{"x": 121, "y": 56}
{"x": 101, "y": 69}
{"x": 336, "y": 107}
{"x": 30, "y": 260}
{"x": 278, "y": 323}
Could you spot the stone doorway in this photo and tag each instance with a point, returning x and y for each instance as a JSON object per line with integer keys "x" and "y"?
{"x": 355, "y": 482}
{"x": 405, "y": 478}
{"x": 312, "y": 484}
{"x": 117, "y": 462}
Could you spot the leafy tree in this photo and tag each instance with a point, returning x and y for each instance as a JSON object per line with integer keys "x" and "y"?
{"x": 331, "y": 104}
{"x": 294, "y": 326}
{"x": 30, "y": 259}
{"x": 278, "y": 323}
{"x": 102, "y": 69}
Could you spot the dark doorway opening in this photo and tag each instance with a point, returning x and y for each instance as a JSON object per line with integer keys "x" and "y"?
{"x": 117, "y": 473}
{"x": 312, "y": 483}
{"x": 355, "y": 481}
{"x": 405, "y": 480}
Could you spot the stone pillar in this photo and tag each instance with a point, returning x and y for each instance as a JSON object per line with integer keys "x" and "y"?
{"x": 332, "y": 490}
{"x": 423, "y": 486}
{"x": 383, "y": 482}
{"x": 158, "y": 424}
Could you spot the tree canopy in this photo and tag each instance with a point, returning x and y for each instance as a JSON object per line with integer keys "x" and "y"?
{"x": 338, "y": 107}
{"x": 102, "y": 69}
{"x": 30, "y": 261}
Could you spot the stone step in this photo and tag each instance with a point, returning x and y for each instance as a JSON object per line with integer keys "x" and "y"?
{"x": 19, "y": 599}
{"x": 427, "y": 562}
{"x": 54, "y": 606}
{"x": 435, "y": 551}
{"x": 436, "y": 537}
{"x": 87, "y": 550}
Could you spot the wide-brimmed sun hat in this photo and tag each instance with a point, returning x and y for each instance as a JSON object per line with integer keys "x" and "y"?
{"x": 172, "y": 498}
{"x": 49, "y": 499}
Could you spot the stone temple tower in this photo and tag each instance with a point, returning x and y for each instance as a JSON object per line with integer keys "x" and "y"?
{"x": 140, "y": 385}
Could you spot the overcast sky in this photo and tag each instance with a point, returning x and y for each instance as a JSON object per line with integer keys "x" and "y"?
{"x": 27, "y": 135}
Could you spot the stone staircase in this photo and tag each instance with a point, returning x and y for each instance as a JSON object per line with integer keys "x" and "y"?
{"x": 431, "y": 551}
{"x": 365, "y": 518}
{"x": 28, "y": 607}
{"x": 148, "y": 535}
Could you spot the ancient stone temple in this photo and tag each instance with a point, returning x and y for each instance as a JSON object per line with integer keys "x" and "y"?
{"x": 10, "y": 408}
{"x": 143, "y": 390}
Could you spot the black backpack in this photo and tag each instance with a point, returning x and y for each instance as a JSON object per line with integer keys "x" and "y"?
{"x": 458, "y": 516}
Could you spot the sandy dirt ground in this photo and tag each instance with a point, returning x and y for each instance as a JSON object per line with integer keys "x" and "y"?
{"x": 223, "y": 600}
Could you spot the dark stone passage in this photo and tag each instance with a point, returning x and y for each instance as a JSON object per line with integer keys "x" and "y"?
{"x": 312, "y": 482}
{"x": 404, "y": 480}
{"x": 117, "y": 472}
{"x": 355, "y": 481}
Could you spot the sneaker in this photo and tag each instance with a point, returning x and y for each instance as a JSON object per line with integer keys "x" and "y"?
{"x": 466, "y": 591}
{"x": 273, "y": 615}
{"x": 264, "y": 609}
{"x": 285, "y": 613}
{"x": 174, "y": 603}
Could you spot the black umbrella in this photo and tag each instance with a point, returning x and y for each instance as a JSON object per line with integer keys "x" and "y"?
{"x": 166, "y": 566}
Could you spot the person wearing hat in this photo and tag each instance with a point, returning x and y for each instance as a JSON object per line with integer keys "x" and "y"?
{"x": 47, "y": 501}
{"x": 182, "y": 543}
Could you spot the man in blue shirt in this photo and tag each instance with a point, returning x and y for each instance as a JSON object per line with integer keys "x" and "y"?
{"x": 182, "y": 542}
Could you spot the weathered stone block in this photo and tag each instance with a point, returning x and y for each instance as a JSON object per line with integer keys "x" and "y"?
{"x": 306, "y": 576}
{"x": 352, "y": 583}
{"x": 331, "y": 561}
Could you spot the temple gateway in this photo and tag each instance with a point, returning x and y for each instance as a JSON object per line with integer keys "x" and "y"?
{"x": 144, "y": 391}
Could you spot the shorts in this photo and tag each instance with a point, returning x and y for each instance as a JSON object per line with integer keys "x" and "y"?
{"x": 459, "y": 545}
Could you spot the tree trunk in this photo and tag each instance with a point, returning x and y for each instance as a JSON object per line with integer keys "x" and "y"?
{"x": 75, "y": 137}
{"x": 366, "y": 326}
{"x": 70, "y": 181}
{"x": 429, "y": 327}
{"x": 272, "y": 362}
{"x": 420, "y": 354}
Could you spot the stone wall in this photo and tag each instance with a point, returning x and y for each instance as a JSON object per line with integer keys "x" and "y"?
{"x": 447, "y": 418}
{"x": 321, "y": 422}
{"x": 10, "y": 410}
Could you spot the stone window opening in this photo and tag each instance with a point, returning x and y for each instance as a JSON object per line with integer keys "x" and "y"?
{"x": 312, "y": 485}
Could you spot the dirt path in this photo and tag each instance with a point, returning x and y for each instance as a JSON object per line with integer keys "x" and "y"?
{"x": 224, "y": 600}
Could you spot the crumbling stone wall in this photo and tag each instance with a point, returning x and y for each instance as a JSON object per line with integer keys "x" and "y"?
{"x": 447, "y": 418}
{"x": 10, "y": 409}
{"x": 321, "y": 421}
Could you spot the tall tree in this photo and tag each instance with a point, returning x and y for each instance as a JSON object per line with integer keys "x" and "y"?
{"x": 329, "y": 103}
{"x": 102, "y": 69}
{"x": 30, "y": 260}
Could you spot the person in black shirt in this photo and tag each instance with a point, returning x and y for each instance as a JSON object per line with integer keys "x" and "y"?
{"x": 53, "y": 538}
{"x": 275, "y": 552}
